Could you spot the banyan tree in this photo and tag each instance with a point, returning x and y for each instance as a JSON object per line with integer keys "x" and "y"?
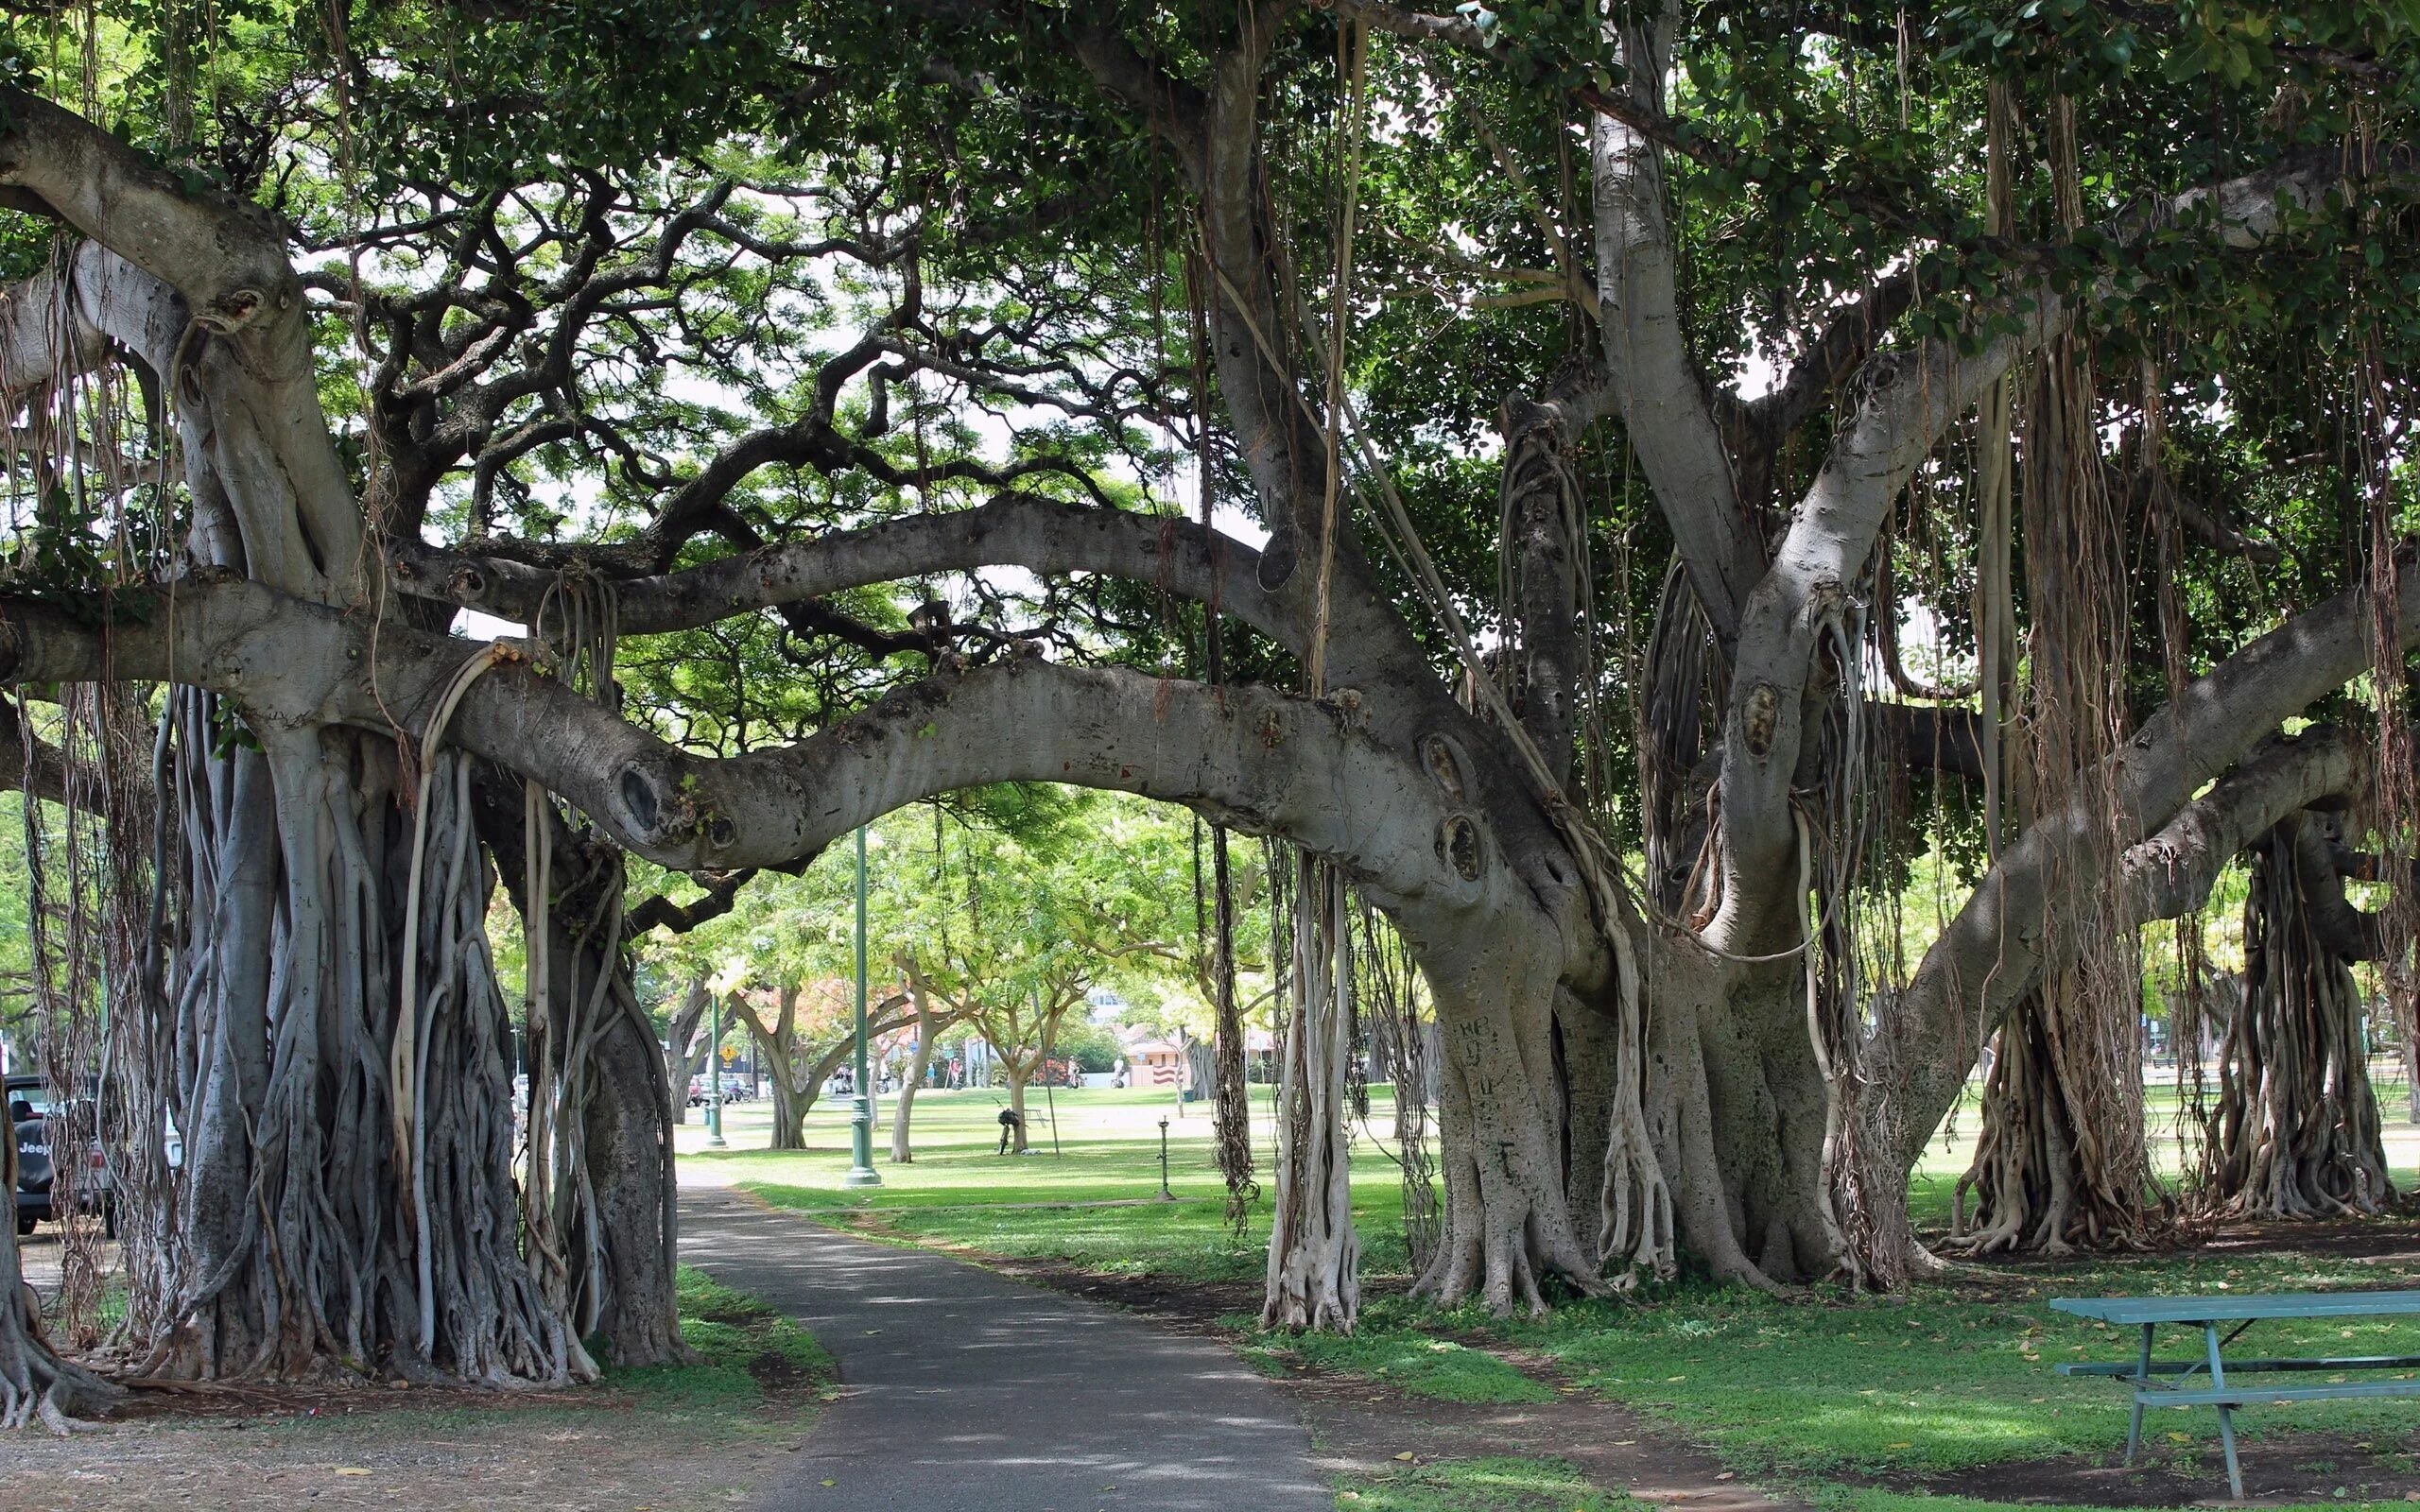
{"x": 1613, "y": 488}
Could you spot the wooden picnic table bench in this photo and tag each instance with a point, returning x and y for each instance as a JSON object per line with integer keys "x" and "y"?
{"x": 2169, "y": 1383}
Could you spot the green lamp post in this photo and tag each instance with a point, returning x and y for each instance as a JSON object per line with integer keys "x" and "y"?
{"x": 713, "y": 1083}
{"x": 861, "y": 1171}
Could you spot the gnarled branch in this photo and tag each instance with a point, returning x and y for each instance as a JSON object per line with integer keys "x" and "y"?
{"x": 1013, "y": 531}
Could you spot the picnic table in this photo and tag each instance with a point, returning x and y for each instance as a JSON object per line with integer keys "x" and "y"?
{"x": 2171, "y": 1383}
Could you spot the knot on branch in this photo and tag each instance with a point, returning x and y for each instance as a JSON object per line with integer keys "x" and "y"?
{"x": 656, "y": 803}
{"x": 230, "y": 312}
{"x": 1759, "y": 714}
{"x": 1457, "y": 846}
{"x": 1444, "y": 764}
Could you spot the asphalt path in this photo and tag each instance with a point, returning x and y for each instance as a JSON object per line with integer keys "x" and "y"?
{"x": 962, "y": 1391}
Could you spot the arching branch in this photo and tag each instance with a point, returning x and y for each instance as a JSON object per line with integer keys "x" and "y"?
{"x": 227, "y": 258}
{"x": 2008, "y": 933}
{"x": 1253, "y": 759}
{"x": 2171, "y": 873}
{"x": 1013, "y": 531}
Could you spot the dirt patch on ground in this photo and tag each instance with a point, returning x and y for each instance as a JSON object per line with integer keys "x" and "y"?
{"x": 2293, "y": 1468}
{"x": 1362, "y": 1429}
{"x": 147, "y": 1401}
{"x": 523, "y": 1461}
{"x": 1180, "y": 1307}
{"x": 420, "y": 1448}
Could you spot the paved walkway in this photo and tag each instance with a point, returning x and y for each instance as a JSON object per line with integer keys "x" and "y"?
{"x": 966, "y": 1392}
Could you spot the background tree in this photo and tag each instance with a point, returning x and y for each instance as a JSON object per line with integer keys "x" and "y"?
{"x": 686, "y": 1044}
{"x": 806, "y": 1034}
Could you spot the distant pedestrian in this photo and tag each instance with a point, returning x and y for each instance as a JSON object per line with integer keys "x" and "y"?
{"x": 1010, "y": 1123}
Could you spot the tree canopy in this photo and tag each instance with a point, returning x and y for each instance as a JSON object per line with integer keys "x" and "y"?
{"x": 1617, "y": 487}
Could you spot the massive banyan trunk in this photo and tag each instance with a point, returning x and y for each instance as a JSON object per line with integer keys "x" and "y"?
{"x": 2295, "y": 1133}
{"x": 1739, "y": 1109}
{"x": 346, "y": 1200}
{"x": 600, "y": 1195}
{"x": 335, "y": 1056}
{"x": 346, "y": 1197}
{"x": 1505, "y": 1135}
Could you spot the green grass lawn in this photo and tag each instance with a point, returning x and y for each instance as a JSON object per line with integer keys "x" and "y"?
{"x": 1797, "y": 1390}
{"x": 741, "y": 1346}
{"x": 1395, "y": 1343}
{"x": 960, "y": 1192}
{"x": 1939, "y": 1382}
{"x": 1497, "y": 1484}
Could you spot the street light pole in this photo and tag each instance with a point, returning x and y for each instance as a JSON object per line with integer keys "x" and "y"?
{"x": 713, "y": 1082}
{"x": 861, "y": 1171}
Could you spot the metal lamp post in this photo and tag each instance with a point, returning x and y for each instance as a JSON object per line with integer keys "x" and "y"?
{"x": 861, "y": 1171}
{"x": 713, "y": 1083}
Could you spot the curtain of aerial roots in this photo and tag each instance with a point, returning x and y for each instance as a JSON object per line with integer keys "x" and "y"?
{"x": 335, "y": 1056}
{"x": 582, "y": 1008}
{"x": 2063, "y": 1159}
{"x": 1856, "y": 936}
{"x": 74, "y": 861}
{"x": 1314, "y": 1256}
{"x": 78, "y": 940}
{"x": 1394, "y": 993}
{"x": 1686, "y": 685}
{"x": 2294, "y": 1132}
{"x": 1232, "y": 1107}
{"x": 592, "y": 1053}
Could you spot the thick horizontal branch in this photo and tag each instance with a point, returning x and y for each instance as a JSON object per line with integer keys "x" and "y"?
{"x": 2170, "y": 874}
{"x": 226, "y": 257}
{"x": 2022, "y": 916}
{"x": 1250, "y": 758}
{"x": 1929, "y": 735}
{"x": 1038, "y": 535}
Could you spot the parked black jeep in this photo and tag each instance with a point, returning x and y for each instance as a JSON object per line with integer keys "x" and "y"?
{"x": 42, "y": 1127}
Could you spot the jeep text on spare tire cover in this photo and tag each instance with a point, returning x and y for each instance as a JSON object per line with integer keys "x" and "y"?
{"x": 33, "y": 1156}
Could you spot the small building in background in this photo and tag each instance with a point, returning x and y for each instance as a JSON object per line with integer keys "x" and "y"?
{"x": 1155, "y": 1063}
